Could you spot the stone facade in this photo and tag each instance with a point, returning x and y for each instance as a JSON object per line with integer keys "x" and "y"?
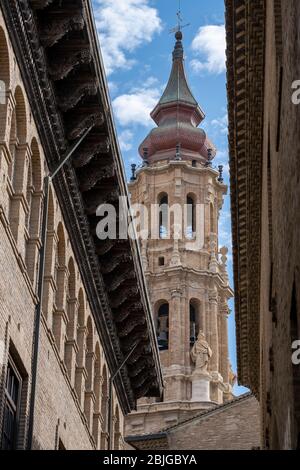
{"x": 265, "y": 180}
{"x": 76, "y": 354}
{"x": 232, "y": 426}
{"x": 185, "y": 268}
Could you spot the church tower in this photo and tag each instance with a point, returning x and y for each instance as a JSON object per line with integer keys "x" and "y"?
{"x": 185, "y": 268}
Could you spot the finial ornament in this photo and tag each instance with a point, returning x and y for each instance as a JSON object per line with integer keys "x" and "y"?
{"x": 133, "y": 172}
{"x": 178, "y": 29}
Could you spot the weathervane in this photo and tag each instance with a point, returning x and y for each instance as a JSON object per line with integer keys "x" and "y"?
{"x": 179, "y": 26}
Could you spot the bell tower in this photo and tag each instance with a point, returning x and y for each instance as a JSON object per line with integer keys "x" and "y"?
{"x": 185, "y": 268}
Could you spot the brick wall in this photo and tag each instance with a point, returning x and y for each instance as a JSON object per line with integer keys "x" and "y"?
{"x": 234, "y": 426}
{"x": 280, "y": 258}
{"x": 72, "y": 388}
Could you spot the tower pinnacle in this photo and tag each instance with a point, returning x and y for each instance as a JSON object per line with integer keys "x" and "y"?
{"x": 177, "y": 115}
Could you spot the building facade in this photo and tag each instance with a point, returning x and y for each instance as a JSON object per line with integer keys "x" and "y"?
{"x": 264, "y": 114}
{"x": 185, "y": 269}
{"x": 59, "y": 350}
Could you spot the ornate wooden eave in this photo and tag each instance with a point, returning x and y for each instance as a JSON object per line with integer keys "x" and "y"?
{"x": 57, "y": 49}
{"x": 245, "y": 87}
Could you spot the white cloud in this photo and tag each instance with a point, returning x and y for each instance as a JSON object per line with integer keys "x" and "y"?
{"x": 135, "y": 107}
{"x": 222, "y": 159}
{"x": 209, "y": 45}
{"x": 122, "y": 27}
{"x": 125, "y": 140}
{"x": 225, "y": 237}
{"x": 221, "y": 123}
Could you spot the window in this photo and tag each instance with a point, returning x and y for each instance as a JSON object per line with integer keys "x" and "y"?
{"x": 192, "y": 325}
{"x": 163, "y": 216}
{"x": 161, "y": 261}
{"x": 190, "y": 217}
{"x": 11, "y": 407}
{"x": 195, "y": 320}
{"x": 163, "y": 327}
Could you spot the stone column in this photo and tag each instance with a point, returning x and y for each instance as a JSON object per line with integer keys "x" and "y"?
{"x": 175, "y": 328}
{"x": 213, "y": 304}
{"x": 224, "y": 362}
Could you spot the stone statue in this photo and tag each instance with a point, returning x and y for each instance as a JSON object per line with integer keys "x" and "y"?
{"x": 201, "y": 353}
{"x": 232, "y": 376}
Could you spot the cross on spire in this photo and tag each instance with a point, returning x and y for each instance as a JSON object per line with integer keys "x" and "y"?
{"x": 180, "y": 20}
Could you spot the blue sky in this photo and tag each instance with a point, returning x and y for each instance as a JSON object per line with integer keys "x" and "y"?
{"x": 137, "y": 51}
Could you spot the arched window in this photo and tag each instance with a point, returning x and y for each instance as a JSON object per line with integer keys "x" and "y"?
{"x": 195, "y": 321}
{"x": 4, "y": 83}
{"x": 13, "y": 141}
{"x": 70, "y": 336}
{"x": 163, "y": 216}
{"x": 33, "y": 216}
{"x": 97, "y": 392}
{"x": 18, "y": 135}
{"x": 89, "y": 365}
{"x": 48, "y": 293}
{"x": 163, "y": 327}
{"x": 60, "y": 267}
{"x": 81, "y": 351}
{"x": 59, "y": 329}
{"x": 190, "y": 216}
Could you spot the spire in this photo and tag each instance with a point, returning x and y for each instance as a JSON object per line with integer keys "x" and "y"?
{"x": 177, "y": 90}
{"x": 177, "y": 115}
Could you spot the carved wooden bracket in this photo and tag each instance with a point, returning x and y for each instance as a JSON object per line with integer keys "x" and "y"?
{"x": 93, "y": 173}
{"x": 62, "y": 64}
{"x": 73, "y": 92}
{"x": 58, "y": 25}
{"x": 89, "y": 149}
{"x": 40, "y": 4}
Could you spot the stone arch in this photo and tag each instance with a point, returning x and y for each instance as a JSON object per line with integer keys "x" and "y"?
{"x": 51, "y": 211}
{"x": 89, "y": 400}
{"x": 161, "y": 310}
{"x": 71, "y": 280}
{"x": 60, "y": 266}
{"x": 12, "y": 145}
{"x": 4, "y": 59}
{"x": 97, "y": 393}
{"x": 48, "y": 293}
{"x": 80, "y": 376}
{"x": 71, "y": 330}
{"x": 59, "y": 327}
{"x": 33, "y": 216}
{"x": 117, "y": 433}
{"x": 21, "y": 115}
{"x": 4, "y": 82}
{"x": 81, "y": 308}
{"x": 104, "y": 407}
{"x": 16, "y": 168}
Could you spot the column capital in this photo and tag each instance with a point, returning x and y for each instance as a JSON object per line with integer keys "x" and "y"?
{"x": 176, "y": 293}
{"x": 213, "y": 297}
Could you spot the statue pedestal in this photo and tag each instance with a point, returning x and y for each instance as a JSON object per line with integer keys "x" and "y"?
{"x": 201, "y": 386}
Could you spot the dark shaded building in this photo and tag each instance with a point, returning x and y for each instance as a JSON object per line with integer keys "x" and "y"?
{"x": 263, "y": 51}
